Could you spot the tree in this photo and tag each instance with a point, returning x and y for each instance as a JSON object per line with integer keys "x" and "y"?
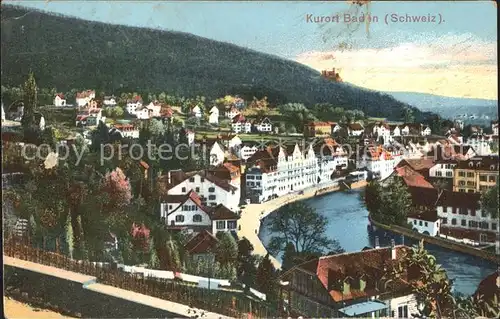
{"x": 428, "y": 280}
{"x": 49, "y": 137}
{"x": 30, "y": 102}
{"x": 154, "y": 262}
{"x": 226, "y": 251}
{"x": 297, "y": 115}
{"x": 288, "y": 257}
{"x": 266, "y": 278}
{"x": 246, "y": 267}
{"x": 390, "y": 204}
{"x": 117, "y": 188}
{"x": 300, "y": 224}
{"x": 489, "y": 201}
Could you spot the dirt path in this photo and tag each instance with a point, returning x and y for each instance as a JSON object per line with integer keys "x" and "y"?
{"x": 14, "y": 309}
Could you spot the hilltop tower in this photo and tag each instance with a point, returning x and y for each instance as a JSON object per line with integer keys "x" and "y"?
{"x": 331, "y": 75}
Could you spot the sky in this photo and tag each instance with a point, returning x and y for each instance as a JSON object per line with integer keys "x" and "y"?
{"x": 456, "y": 55}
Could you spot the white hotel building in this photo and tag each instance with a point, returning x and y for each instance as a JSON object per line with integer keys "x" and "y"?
{"x": 379, "y": 161}
{"x": 274, "y": 172}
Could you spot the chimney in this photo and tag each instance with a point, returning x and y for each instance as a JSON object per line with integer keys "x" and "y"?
{"x": 393, "y": 249}
{"x": 377, "y": 245}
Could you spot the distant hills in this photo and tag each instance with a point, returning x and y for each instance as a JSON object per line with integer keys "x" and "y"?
{"x": 475, "y": 110}
{"x": 67, "y": 53}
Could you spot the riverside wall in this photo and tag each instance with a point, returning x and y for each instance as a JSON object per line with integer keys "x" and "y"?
{"x": 438, "y": 241}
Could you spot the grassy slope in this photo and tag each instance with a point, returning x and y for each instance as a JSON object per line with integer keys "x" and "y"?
{"x": 67, "y": 53}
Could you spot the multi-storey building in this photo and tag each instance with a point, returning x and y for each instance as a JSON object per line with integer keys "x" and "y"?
{"x": 462, "y": 218}
{"x": 351, "y": 285}
{"x": 481, "y": 143}
{"x": 277, "y": 171}
{"x": 379, "y": 161}
{"x": 263, "y": 126}
{"x": 133, "y": 104}
{"x": 241, "y": 125}
{"x": 126, "y": 130}
{"x": 82, "y": 98}
{"x": 320, "y": 128}
{"x": 476, "y": 174}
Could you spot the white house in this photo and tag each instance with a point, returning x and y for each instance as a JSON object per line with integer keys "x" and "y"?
{"x": 241, "y": 125}
{"x": 379, "y": 161}
{"x": 109, "y": 101}
{"x": 213, "y": 118}
{"x": 426, "y": 131}
{"x": 133, "y": 104}
{"x": 494, "y": 127}
{"x": 383, "y": 132}
{"x": 197, "y": 112}
{"x": 246, "y": 151}
{"x": 425, "y": 222}
{"x": 126, "y": 130}
{"x": 212, "y": 190}
{"x": 355, "y": 129}
{"x": 443, "y": 169}
{"x": 217, "y": 154}
{"x": 276, "y": 171}
{"x": 463, "y": 219}
{"x": 264, "y": 126}
{"x": 84, "y": 97}
{"x": 232, "y": 112}
{"x": 188, "y": 211}
{"x": 480, "y": 143}
{"x": 59, "y": 100}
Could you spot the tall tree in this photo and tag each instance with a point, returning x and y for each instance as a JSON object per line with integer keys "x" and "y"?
{"x": 288, "y": 257}
{"x": 300, "y": 224}
{"x": 227, "y": 249}
{"x": 266, "y": 278}
{"x": 30, "y": 102}
{"x": 489, "y": 201}
{"x": 246, "y": 268}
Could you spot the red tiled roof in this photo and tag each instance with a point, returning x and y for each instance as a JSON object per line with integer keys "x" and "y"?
{"x": 355, "y": 126}
{"x": 412, "y": 178}
{"x": 84, "y": 94}
{"x": 423, "y": 196}
{"x": 459, "y": 199}
{"x": 135, "y": 99}
{"x": 239, "y": 118}
{"x": 369, "y": 262}
{"x": 420, "y": 165}
{"x": 222, "y": 212}
{"x": 427, "y": 215}
{"x": 203, "y": 242}
{"x": 60, "y": 95}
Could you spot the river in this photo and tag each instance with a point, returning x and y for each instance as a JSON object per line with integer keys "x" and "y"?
{"x": 348, "y": 221}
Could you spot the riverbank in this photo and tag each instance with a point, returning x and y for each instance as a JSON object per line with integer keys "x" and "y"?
{"x": 252, "y": 215}
{"x": 438, "y": 241}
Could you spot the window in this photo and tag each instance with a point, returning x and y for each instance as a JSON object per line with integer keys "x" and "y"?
{"x": 482, "y": 178}
{"x": 414, "y": 222}
{"x": 461, "y": 183}
{"x": 211, "y": 197}
{"x": 169, "y": 207}
{"x": 179, "y": 218}
{"x": 449, "y": 174}
{"x": 250, "y": 177}
{"x": 492, "y": 179}
{"x": 197, "y": 218}
{"x": 191, "y": 179}
{"x": 420, "y": 223}
{"x": 197, "y": 189}
{"x": 258, "y": 178}
{"x": 484, "y": 213}
{"x": 484, "y": 225}
{"x": 470, "y": 191}
{"x": 464, "y": 222}
{"x": 231, "y": 224}
{"x": 470, "y": 183}
{"x": 202, "y": 179}
{"x": 426, "y": 224}
{"x": 493, "y": 226}
{"x": 220, "y": 224}
{"x": 470, "y": 174}
{"x": 445, "y": 220}
{"x": 403, "y": 311}
{"x": 439, "y": 174}
{"x": 463, "y": 211}
{"x": 461, "y": 190}
{"x": 211, "y": 189}
{"x": 454, "y": 221}
{"x": 461, "y": 174}
{"x": 184, "y": 189}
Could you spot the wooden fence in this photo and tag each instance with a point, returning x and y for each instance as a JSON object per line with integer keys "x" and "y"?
{"x": 228, "y": 303}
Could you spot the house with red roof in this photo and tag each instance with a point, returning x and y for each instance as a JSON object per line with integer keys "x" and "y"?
{"x": 59, "y": 100}
{"x": 355, "y": 129}
{"x": 232, "y": 112}
{"x": 84, "y": 97}
{"x": 351, "y": 285}
{"x": 133, "y": 104}
{"x": 378, "y": 160}
{"x": 201, "y": 248}
{"x": 189, "y": 211}
{"x": 211, "y": 189}
{"x": 240, "y": 124}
